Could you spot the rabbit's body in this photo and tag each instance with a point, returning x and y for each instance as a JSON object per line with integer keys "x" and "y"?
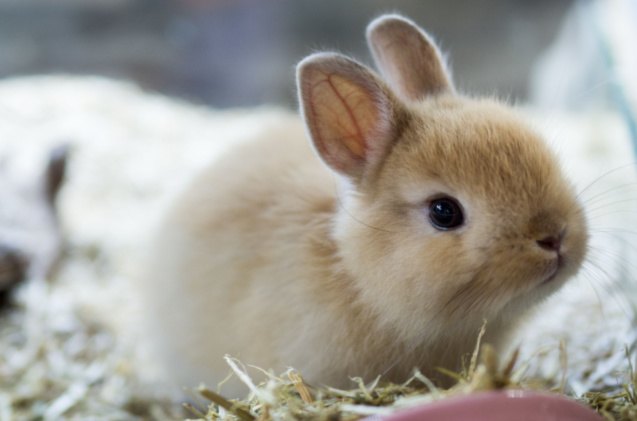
{"x": 360, "y": 269}
{"x": 286, "y": 213}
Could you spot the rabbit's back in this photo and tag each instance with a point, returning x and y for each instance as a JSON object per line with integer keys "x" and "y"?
{"x": 217, "y": 259}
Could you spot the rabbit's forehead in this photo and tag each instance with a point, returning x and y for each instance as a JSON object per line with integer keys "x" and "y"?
{"x": 490, "y": 157}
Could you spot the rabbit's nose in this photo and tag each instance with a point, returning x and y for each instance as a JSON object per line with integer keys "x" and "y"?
{"x": 551, "y": 242}
{"x": 13, "y": 266}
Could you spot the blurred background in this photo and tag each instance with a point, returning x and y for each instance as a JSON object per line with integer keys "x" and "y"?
{"x": 230, "y": 53}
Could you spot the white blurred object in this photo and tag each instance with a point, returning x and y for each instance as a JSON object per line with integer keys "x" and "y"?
{"x": 591, "y": 72}
{"x": 568, "y": 71}
{"x": 593, "y": 54}
{"x": 592, "y": 68}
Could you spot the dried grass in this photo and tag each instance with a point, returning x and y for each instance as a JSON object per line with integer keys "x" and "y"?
{"x": 288, "y": 397}
{"x": 57, "y": 364}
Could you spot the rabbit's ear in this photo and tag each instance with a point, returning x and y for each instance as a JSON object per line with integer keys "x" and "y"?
{"x": 56, "y": 171}
{"x": 407, "y": 57}
{"x": 350, "y": 113}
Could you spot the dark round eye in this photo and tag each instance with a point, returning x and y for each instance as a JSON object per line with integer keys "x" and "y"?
{"x": 445, "y": 213}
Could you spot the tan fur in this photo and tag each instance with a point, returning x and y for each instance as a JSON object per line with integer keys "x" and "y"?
{"x": 273, "y": 258}
{"x": 407, "y": 57}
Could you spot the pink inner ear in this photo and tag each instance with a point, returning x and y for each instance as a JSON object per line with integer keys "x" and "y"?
{"x": 345, "y": 117}
{"x": 353, "y": 138}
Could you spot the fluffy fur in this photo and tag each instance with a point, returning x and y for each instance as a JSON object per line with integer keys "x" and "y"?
{"x": 333, "y": 267}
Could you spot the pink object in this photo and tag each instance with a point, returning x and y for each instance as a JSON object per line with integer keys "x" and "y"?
{"x": 509, "y": 405}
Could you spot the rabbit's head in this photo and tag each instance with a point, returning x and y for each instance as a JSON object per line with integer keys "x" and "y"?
{"x": 452, "y": 209}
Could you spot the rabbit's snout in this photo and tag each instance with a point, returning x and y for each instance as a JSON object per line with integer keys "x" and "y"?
{"x": 548, "y": 230}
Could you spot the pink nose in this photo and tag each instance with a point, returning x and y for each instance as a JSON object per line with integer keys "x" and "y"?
{"x": 550, "y": 243}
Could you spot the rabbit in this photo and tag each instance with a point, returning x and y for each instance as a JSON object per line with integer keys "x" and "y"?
{"x": 31, "y": 242}
{"x": 372, "y": 235}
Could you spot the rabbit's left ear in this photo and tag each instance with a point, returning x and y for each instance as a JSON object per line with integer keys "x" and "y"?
{"x": 408, "y": 58}
{"x": 350, "y": 113}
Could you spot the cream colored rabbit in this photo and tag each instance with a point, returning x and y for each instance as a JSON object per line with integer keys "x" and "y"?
{"x": 371, "y": 236}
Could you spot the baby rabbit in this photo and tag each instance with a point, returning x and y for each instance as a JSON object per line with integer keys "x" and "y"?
{"x": 30, "y": 238}
{"x": 412, "y": 215}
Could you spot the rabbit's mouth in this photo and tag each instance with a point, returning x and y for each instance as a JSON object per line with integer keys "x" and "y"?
{"x": 550, "y": 278}
{"x": 558, "y": 263}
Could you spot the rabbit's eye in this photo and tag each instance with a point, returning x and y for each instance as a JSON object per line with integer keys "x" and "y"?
{"x": 445, "y": 213}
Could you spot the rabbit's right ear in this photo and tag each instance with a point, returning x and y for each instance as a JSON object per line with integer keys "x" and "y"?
{"x": 407, "y": 57}
{"x": 350, "y": 113}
